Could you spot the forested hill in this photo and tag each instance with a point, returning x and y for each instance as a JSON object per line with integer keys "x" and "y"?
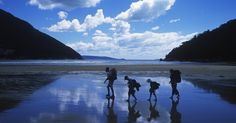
{"x": 218, "y": 45}
{"x": 20, "y": 40}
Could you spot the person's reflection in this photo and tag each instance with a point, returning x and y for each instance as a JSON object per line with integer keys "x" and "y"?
{"x": 133, "y": 115}
{"x": 153, "y": 111}
{"x": 111, "y": 116}
{"x": 175, "y": 116}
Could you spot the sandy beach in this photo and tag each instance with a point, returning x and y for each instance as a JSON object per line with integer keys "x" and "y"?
{"x": 200, "y": 71}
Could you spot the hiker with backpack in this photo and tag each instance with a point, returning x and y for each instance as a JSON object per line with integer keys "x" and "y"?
{"x": 153, "y": 87}
{"x": 175, "y": 78}
{"x": 111, "y": 77}
{"x": 132, "y": 85}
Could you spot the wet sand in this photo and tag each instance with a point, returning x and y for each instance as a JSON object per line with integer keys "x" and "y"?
{"x": 80, "y": 97}
{"x": 76, "y": 93}
{"x": 202, "y": 71}
{"x": 16, "y": 88}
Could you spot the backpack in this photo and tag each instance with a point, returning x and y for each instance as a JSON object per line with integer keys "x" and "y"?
{"x": 155, "y": 85}
{"x": 177, "y": 76}
{"x": 137, "y": 85}
{"x": 113, "y": 74}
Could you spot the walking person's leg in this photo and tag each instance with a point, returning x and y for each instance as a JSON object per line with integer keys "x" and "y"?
{"x": 112, "y": 91}
{"x": 133, "y": 93}
{"x": 108, "y": 90}
{"x": 134, "y": 96}
{"x": 177, "y": 92}
{"x": 154, "y": 93}
{"x": 173, "y": 91}
{"x": 150, "y": 96}
{"x": 129, "y": 95}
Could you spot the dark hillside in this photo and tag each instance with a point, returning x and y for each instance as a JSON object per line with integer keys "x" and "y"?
{"x": 218, "y": 45}
{"x": 19, "y": 40}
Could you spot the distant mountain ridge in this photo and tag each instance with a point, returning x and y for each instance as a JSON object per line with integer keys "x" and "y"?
{"x": 86, "y": 57}
{"x": 20, "y": 40}
{"x": 218, "y": 45}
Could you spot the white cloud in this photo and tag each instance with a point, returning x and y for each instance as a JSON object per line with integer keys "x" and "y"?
{"x": 61, "y": 26}
{"x": 101, "y": 44}
{"x": 96, "y": 20}
{"x": 121, "y": 42}
{"x": 146, "y": 45}
{"x": 66, "y": 25}
{"x": 62, "y": 15}
{"x": 90, "y": 22}
{"x": 174, "y": 20}
{"x": 99, "y": 33}
{"x": 85, "y": 34}
{"x": 81, "y": 46}
{"x": 155, "y": 28}
{"x": 120, "y": 27}
{"x": 146, "y": 10}
{"x": 64, "y": 4}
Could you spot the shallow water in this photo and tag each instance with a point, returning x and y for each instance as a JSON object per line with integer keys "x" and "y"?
{"x": 80, "y": 98}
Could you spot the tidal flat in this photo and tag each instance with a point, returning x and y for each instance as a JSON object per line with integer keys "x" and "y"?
{"x": 80, "y": 97}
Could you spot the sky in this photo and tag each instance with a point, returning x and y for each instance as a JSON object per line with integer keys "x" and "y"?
{"x": 130, "y": 29}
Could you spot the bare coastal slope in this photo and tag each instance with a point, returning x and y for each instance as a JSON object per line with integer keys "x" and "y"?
{"x": 20, "y": 40}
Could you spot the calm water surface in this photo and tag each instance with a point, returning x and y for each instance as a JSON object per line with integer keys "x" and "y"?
{"x": 80, "y": 98}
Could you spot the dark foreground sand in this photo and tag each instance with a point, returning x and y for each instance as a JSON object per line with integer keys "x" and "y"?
{"x": 200, "y": 71}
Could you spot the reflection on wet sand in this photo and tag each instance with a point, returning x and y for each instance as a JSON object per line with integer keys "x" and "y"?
{"x": 133, "y": 115}
{"x": 82, "y": 98}
{"x": 154, "y": 114}
{"x": 226, "y": 89}
{"x": 111, "y": 116}
{"x": 15, "y": 88}
{"x": 175, "y": 116}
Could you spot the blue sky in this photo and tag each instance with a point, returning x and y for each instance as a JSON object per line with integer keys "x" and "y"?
{"x": 131, "y": 29}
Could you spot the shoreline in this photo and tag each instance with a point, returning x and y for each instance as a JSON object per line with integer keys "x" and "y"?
{"x": 188, "y": 70}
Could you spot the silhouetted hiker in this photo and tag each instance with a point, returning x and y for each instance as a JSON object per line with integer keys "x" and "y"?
{"x": 132, "y": 84}
{"x": 175, "y": 116}
{"x": 133, "y": 115}
{"x": 153, "y": 87}
{"x": 107, "y": 71}
{"x": 111, "y": 77}
{"x": 175, "y": 78}
{"x": 154, "y": 114}
{"x": 111, "y": 116}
